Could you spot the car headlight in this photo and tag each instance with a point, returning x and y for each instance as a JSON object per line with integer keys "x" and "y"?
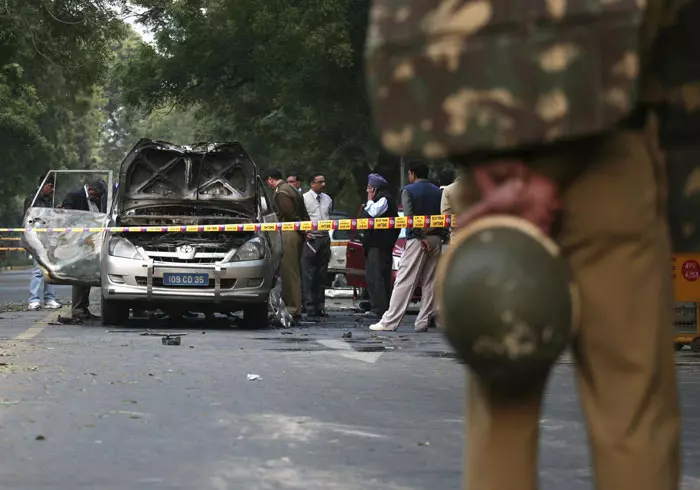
{"x": 121, "y": 247}
{"x": 253, "y": 249}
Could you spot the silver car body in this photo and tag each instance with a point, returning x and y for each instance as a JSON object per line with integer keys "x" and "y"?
{"x": 165, "y": 185}
{"x": 67, "y": 256}
{"x": 339, "y": 245}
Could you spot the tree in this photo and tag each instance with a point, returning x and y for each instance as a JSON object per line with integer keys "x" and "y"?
{"x": 284, "y": 77}
{"x": 52, "y": 56}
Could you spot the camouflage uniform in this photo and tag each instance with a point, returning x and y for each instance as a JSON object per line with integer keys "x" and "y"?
{"x": 573, "y": 89}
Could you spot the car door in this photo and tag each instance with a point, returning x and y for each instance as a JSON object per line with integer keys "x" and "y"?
{"x": 67, "y": 256}
{"x": 268, "y": 212}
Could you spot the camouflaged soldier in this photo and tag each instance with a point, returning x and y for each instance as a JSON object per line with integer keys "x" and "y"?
{"x": 553, "y": 104}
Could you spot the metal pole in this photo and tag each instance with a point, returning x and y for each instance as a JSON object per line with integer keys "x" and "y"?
{"x": 403, "y": 173}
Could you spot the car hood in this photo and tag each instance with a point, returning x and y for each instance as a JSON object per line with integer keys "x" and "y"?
{"x": 157, "y": 173}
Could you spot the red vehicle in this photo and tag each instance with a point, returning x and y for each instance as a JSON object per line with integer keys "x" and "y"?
{"x": 355, "y": 264}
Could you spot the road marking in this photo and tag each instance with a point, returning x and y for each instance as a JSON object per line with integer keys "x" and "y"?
{"x": 32, "y": 332}
{"x": 346, "y": 350}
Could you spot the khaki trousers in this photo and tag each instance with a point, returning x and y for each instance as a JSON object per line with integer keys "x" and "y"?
{"x": 615, "y": 235}
{"x": 291, "y": 271}
{"x": 416, "y": 264}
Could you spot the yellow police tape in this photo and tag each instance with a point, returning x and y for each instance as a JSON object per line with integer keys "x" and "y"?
{"x": 11, "y": 249}
{"x": 434, "y": 221}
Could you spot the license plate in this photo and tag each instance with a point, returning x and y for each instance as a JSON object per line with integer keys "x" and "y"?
{"x": 181, "y": 279}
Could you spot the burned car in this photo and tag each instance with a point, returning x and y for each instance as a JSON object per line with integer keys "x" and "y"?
{"x": 184, "y": 265}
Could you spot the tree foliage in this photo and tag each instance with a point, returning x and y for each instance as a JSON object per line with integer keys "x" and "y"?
{"x": 282, "y": 76}
{"x": 53, "y": 53}
{"x": 78, "y": 87}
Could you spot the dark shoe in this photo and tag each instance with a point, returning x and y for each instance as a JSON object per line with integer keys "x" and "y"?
{"x": 432, "y": 321}
{"x": 84, "y": 315}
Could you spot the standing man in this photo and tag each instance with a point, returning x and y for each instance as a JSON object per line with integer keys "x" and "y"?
{"x": 317, "y": 250}
{"x": 420, "y": 255}
{"x": 561, "y": 131}
{"x": 295, "y": 182}
{"x": 90, "y": 197}
{"x": 43, "y": 200}
{"x": 379, "y": 244}
{"x": 449, "y": 204}
{"x": 290, "y": 205}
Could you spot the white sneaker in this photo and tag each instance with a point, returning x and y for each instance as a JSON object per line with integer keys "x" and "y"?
{"x": 378, "y": 327}
{"x": 34, "y": 306}
{"x": 52, "y": 305}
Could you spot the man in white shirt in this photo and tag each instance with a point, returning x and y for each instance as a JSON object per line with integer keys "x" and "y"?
{"x": 316, "y": 252}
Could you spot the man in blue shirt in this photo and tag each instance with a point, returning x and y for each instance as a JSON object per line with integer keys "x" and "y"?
{"x": 420, "y": 256}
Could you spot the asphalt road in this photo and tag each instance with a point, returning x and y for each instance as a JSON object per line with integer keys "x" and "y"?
{"x": 14, "y": 288}
{"x": 88, "y": 407}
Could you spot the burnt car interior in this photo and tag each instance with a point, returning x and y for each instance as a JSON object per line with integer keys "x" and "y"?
{"x": 204, "y": 184}
{"x": 166, "y": 184}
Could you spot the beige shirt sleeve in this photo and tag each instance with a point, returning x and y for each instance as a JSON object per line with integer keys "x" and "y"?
{"x": 445, "y": 207}
{"x": 448, "y": 203}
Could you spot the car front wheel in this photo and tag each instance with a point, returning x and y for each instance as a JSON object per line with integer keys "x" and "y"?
{"x": 114, "y": 312}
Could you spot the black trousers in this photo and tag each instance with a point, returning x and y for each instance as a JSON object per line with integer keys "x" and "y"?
{"x": 314, "y": 270}
{"x": 81, "y": 300}
{"x": 378, "y": 277}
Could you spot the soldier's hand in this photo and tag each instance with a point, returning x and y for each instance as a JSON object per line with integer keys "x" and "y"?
{"x": 510, "y": 187}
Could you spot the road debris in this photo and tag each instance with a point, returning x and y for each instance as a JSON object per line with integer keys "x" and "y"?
{"x": 254, "y": 377}
{"x": 40, "y": 438}
{"x": 13, "y": 307}
{"x": 172, "y": 340}
{"x": 147, "y": 333}
{"x": 426, "y": 443}
{"x": 67, "y": 320}
{"x": 347, "y": 335}
{"x": 280, "y": 317}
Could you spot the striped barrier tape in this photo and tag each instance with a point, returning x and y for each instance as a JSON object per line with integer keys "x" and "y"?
{"x": 11, "y": 249}
{"x": 14, "y": 238}
{"x": 434, "y": 221}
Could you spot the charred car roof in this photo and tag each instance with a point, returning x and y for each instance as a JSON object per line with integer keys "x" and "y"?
{"x": 157, "y": 172}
